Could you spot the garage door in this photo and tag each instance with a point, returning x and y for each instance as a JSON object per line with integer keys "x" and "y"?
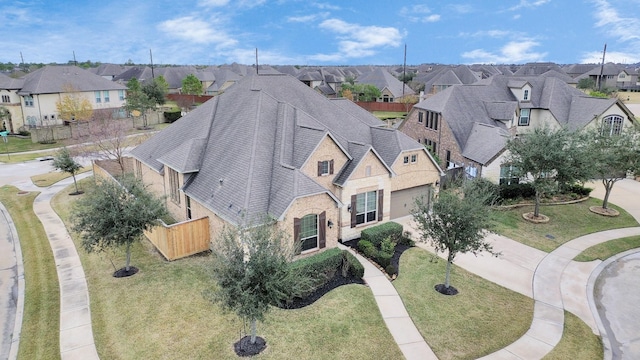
{"x": 402, "y": 201}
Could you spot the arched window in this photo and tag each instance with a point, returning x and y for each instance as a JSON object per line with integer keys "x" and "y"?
{"x": 612, "y": 125}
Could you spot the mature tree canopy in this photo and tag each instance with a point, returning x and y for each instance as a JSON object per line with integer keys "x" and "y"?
{"x": 613, "y": 156}
{"x": 191, "y": 85}
{"x": 251, "y": 268}
{"x": 155, "y": 92}
{"x": 587, "y": 83}
{"x": 72, "y": 106}
{"x": 455, "y": 223}
{"x": 63, "y": 161}
{"x": 116, "y": 214}
{"x": 545, "y": 156}
{"x": 138, "y": 101}
{"x": 361, "y": 92}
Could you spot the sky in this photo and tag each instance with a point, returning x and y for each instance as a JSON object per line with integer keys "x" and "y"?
{"x": 310, "y": 32}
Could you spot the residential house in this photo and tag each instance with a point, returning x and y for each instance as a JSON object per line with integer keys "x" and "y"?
{"x": 468, "y": 125}
{"x": 392, "y": 89}
{"x": 10, "y": 100}
{"x": 325, "y": 169}
{"x": 39, "y": 91}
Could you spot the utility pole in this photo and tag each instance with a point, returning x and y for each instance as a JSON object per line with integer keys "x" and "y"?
{"x": 151, "y": 57}
{"x": 602, "y": 68}
{"x": 74, "y": 58}
{"x": 404, "y": 70}
{"x": 257, "y": 71}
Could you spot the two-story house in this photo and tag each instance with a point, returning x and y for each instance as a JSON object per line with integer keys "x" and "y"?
{"x": 42, "y": 89}
{"x": 324, "y": 168}
{"x": 469, "y": 125}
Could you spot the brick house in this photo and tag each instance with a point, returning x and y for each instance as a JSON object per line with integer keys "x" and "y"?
{"x": 324, "y": 168}
{"x": 469, "y": 125}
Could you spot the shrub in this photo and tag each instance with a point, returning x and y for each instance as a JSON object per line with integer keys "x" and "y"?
{"x": 378, "y": 233}
{"x": 514, "y": 191}
{"x": 171, "y": 116}
{"x": 391, "y": 270}
{"x": 387, "y": 246}
{"x": 579, "y": 189}
{"x": 24, "y": 133}
{"x": 320, "y": 267}
{"x": 355, "y": 267}
{"x": 384, "y": 258}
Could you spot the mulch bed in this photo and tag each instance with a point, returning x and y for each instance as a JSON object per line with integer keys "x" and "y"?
{"x": 124, "y": 273}
{"x": 334, "y": 282}
{"x": 244, "y": 347}
{"x": 395, "y": 259}
{"x": 446, "y": 290}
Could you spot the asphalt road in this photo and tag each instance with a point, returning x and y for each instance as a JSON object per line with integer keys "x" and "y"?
{"x": 617, "y": 294}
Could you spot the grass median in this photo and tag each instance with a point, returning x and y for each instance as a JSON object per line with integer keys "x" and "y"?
{"x": 484, "y": 317}
{"x": 567, "y": 222}
{"x": 39, "y": 337}
{"x": 161, "y": 313}
{"x": 578, "y": 341}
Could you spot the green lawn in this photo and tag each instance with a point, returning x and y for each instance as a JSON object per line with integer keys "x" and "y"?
{"x": 567, "y": 223}
{"x": 607, "y": 249}
{"x": 578, "y": 341}
{"x": 16, "y": 144}
{"x": 383, "y": 115}
{"x": 41, "y": 323}
{"x": 52, "y": 177}
{"x": 482, "y": 318}
{"x": 160, "y": 313}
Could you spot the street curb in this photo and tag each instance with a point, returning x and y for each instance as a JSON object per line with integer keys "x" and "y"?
{"x": 17, "y": 327}
{"x": 595, "y": 274}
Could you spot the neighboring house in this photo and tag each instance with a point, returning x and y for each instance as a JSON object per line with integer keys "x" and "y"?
{"x": 10, "y": 100}
{"x": 325, "y": 169}
{"x": 606, "y": 74}
{"x": 392, "y": 89}
{"x": 468, "y": 125}
{"x": 40, "y": 90}
{"x": 223, "y": 79}
{"x": 109, "y": 71}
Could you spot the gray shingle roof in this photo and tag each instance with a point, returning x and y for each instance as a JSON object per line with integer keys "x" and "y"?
{"x": 382, "y": 79}
{"x": 254, "y": 139}
{"x": 56, "y": 79}
{"x": 485, "y": 142}
{"x": 8, "y": 83}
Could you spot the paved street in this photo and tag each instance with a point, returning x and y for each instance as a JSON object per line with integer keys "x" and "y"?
{"x": 9, "y": 275}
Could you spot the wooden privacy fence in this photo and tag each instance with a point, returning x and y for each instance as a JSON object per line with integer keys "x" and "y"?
{"x": 182, "y": 239}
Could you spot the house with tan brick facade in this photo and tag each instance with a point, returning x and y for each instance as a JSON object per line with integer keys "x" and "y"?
{"x": 324, "y": 168}
{"x": 469, "y": 125}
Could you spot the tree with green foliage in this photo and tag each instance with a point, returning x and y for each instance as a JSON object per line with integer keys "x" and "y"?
{"x": 361, "y": 92}
{"x": 138, "y": 102}
{"x": 191, "y": 85}
{"x": 545, "y": 156}
{"x": 455, "y": 222}
{"x": 251, "y": 269}
{"x": 407, "y": 77}
{"x": 613, "y": 156}
{"x": 155, "y": 92}
{"x": 64, "y": 162}
{"x": 115, "y": 214}
{"x": 586, "y": 84}
{"x": 162, "y": 84}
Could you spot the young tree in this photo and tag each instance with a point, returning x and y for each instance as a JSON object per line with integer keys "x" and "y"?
{"x": 115, "y": 214}
{"x": 586, "y": 83}
{"x": 155, "y": 92}
{"x": 191, "y": 85}
{"x": 251, "y": 269}
{"x": 541, "y": 156}
{"x": 73, "y": 107}
{"x": 361, "y": 92}
{"x": 108, "y": 140}
{"x": 613, "y": 156}
{"x": 455, "y": 223}
{"x": 63, "y": 161}
{"x": 138, "y": 101}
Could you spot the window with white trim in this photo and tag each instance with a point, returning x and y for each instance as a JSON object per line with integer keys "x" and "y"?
{"x": 366, "y": 207}
{"x": 105, "y": 94}
{"x": 174, "y": 186}
{"x": 325, "y": 167}
{"x": 309, "y": 232}
{"x": 97, "y": 95}
{"x": 28, "y": 101}
{"x": 525, "y": 96}
{"x": 612, "y": 125}
{"x": 414, "y": 158}
{"x": 509, "y": 175}
{"x": 6, "y": 99}
{"x": 405, "y": 160}
{"x": 121, "y": 95}
{"x": 524, "y": 117}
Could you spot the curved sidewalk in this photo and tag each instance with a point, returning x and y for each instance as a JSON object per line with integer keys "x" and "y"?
{"x": 395, "y": 316}
{"x": 76, "y": 334}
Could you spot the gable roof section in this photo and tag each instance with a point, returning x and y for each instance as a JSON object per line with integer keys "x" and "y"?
{"x": 382, "y": 79}
{"x": 484, "y": 142}
{"x": 584, "y": 109}
{"x": 8, "y": 83}
{"x": 253, "y": 140}
{"x": 54, "y": 79}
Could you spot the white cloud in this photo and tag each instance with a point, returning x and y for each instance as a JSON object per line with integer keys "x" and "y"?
{"x": 461, "y": 8}
{"x": 194, "y": 30}
{"x": 529, "y": 4}
{"x": 307, "y": 18}
{"x": 623, "y": 28}
{"x": 595, "y": 57}
{"x": 489, "y": 33}
{"x": 325, "y": 6}
{"x": 516, "y": 16}
{"x": 417, "y": 13}
{"x": 357, "y": 41}
{"x": 432, "y": 18}
{"x": 511, "y": 53}
{"x": 213, "y": 3}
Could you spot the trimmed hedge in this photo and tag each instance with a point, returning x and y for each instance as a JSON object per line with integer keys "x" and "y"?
{"x": 515, "y": 191}
{"x": 579, "y": 189}
{"x": 376, "y": 234}
{"x": 171, "y": 116}
{"x": 324, "y": 266}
